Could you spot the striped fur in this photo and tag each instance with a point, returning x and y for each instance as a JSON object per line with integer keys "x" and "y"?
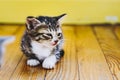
{"x": 43, "y": 40}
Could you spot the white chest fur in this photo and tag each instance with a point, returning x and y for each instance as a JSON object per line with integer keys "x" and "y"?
{"x": 39, "y": 50}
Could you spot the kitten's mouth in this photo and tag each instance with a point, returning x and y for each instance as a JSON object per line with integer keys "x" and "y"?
{"x": 54, "y": 43}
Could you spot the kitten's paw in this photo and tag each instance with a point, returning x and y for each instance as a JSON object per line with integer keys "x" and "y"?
{"x": 33, "y": 62}
{"x": 49, "y": 62}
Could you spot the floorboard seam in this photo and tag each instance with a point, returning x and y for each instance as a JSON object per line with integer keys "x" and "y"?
{"x": 94, "y": 32}
{"x": 113, "y": 31}
{"x": 76, "y": 53}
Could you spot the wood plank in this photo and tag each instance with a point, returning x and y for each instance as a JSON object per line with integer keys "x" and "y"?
{"x": 111, "y": 48}
{"x": 117, "y": 31}
{"x": 12, "y": 56}
{"x": 92, "y": 63}
{"x": 67, "y": 68}
{"x": 25, "y": 72}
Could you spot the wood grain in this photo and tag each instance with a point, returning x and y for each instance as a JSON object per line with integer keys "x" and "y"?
{"x": 92, "y": 63}
{"x": 117, "y": 32}
{"x": 67, "y": 68}
{"x": 25, "y": 72}
{"x": 111, "y": 48}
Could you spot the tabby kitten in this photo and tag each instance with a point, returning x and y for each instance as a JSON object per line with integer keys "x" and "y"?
{"x": 42, "y": 41}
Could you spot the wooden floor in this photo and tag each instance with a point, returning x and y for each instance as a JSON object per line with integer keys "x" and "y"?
{"x": 91, "y": 53}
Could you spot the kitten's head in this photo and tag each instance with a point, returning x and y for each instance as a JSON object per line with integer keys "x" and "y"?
{"x": 45, "y": 30}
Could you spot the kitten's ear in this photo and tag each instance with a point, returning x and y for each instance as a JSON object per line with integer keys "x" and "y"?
{"x": 31, "y": 22}
{"x": 60, "y": 18}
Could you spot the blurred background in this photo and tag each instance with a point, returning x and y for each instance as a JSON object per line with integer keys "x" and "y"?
{"x": 78, "y": 11}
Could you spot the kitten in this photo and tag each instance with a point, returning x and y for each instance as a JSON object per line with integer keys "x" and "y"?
{"x": 43, "y": 40}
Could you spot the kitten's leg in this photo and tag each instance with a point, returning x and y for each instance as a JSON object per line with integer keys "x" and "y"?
{"x": 50, "y": 61}
{"x": 32, "y": 60}
{"x": 59, "y": 54}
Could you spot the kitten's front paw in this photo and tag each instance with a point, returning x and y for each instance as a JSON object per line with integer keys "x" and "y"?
{"x": 49, "y": 62}
{"x": 33, "y": 62}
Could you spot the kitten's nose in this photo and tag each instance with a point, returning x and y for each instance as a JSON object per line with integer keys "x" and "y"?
{"x": 56, "y": 41}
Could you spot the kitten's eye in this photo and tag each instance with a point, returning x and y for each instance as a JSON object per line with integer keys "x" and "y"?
{"x": 47, "y": 36}
{"x": 57, "y": 26}
{"x": 59, "y": 34}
